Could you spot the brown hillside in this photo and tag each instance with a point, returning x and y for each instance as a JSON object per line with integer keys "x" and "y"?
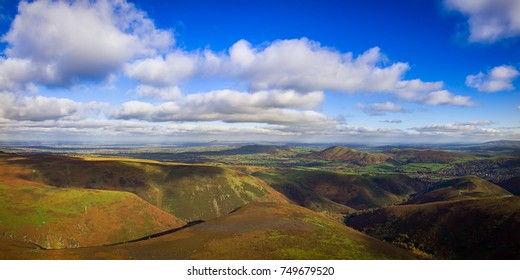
{"x": 255, "y": 231}
{"x": 190, "y": 192}
{"x": 465, "y": 229}
{"x": 351, "y": 156}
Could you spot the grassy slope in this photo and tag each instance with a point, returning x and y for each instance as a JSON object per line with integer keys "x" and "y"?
{"x": 190, "y": 192}
{"x": 302, "y": 195}
{"x": 255, "y": 231}
{"x": 67, "y": 218}
{"x": 469, "y": 187}
{"x": 398, "y": 184}
{"x": 310, "y": 188}
{"x": 465, "y": 229}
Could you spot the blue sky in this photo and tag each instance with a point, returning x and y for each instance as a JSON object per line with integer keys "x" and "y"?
{"x": 309, "y": 71}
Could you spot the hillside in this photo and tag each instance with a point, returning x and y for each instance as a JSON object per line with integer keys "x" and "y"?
{"x": 469, "y": 187}
{"x": 411, "y": 155}
{"x": 398, "y": 184}
{"x": 512, "y": 185}
{"x": 465, "y": 229}
{"x": 68, "y": 218}
{"x": 316, "y": 189}
{"x": 255, "y": 231}
{"x": 302, "y": 195}
{"x": 351, "y": 156}
{"x": 190, "y": 192}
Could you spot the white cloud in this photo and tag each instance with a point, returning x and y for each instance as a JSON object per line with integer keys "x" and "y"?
{"x": 497, "y": 79}
{"x": 166, "y": 93}
{"x": 36, "y": 108}
{"x": 444, "y": 97}
{"x": 304, "y": 65}
{"x": 300, "y": 64}
{"x": 230, "y": 106}
{"x": 159, "y": 71}
{"x": 63, "y": 42}
{"x": 380, "y": 109}
{"x": 392, "y": 121}
{"x": 472, "y": 128}
{"x": 489, "y": 20}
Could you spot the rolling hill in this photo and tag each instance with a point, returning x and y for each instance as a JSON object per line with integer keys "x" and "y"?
{"x": 411, "y": 155}
{"x": 350, "y": 156}
{"x": 469, "y": 187}
{"x": 190, "y": 192}
{"x": 255, "y": 231}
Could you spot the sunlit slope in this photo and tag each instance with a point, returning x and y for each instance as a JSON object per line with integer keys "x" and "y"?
{"x": 469, "y": 187}
{"x": 485, "y": 228}
{"x": 255, "y": 231}
{"x": 67, "y": 218}
{"x": 190, "y": 192}
{"x": 351, "y": 156}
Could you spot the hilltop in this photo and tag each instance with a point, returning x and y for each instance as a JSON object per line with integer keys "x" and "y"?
{"x": 351, "y": 156}
{"x": 469, "y": 187}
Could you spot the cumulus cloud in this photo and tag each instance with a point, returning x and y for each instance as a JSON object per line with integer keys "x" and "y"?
{"x": 305, "y": 65}
{"x": 299, "y": 64}
{"x": 497, "y": 79}
{"x": 380, "y": 109}
{"x": 489, "y": 20}
{"x": 230, "y": 106}
{"x": 175, "y": 67}
{"x": 35, "y": 108}
{"x": 60, "y": 42}
{"x": 163, "y": 71}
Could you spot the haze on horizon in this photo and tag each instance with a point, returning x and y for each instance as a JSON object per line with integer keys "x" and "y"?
{"x": 298, "y": 71}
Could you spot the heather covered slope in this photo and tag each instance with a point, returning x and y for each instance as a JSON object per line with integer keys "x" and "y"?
{"x": 190, "y": 192}
{"x": 68, "y": 218}
{"x": 255, "y": 231}
{"x": 485, "y": 228}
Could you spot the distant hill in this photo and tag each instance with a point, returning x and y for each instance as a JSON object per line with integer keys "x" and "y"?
{"x": 255, "y": 231}
{"x": 469, "y": 187}
{"x": 411, "y": 155}
{"x": 485, "y": 228}
{"x": 350, "y": 156}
